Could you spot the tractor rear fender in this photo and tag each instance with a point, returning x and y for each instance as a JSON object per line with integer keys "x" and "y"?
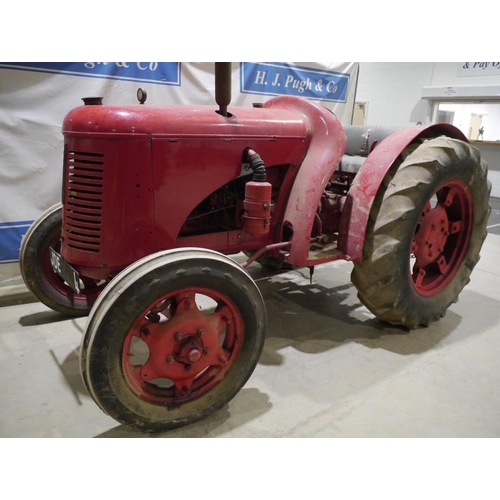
{"x": 328, "y": 144}
{"x": 369, "y": 179}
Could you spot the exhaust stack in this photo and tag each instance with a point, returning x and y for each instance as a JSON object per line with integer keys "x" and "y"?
{"x": 223, "y": 86}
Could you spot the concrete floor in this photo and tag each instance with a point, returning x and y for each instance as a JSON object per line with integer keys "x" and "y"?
{"x": 329, "y": 368}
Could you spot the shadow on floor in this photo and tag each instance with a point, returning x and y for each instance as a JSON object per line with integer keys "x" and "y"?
{"x": 18, "y": 298}
{"x": 42, "y": 318}
{"x": 314, "y": 318}
{"x": 70, "y": 370}
{"x": 246, "y": 406}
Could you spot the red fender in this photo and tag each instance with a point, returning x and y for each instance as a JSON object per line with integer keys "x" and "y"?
{"x": 369, "y": 178}
{"x": 328, "y": 144}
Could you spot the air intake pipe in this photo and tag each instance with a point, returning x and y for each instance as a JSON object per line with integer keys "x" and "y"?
{"x": 257, "y": 203}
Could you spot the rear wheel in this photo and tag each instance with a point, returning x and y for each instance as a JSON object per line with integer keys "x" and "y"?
{"x": 425, "y": 233}
{"x": 172, "y": 339}
{"x": 37, "y": 273}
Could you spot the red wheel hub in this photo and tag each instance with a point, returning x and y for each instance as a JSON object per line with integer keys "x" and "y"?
{"x": 176, "y": 351}
{"x": 441, "y": 238}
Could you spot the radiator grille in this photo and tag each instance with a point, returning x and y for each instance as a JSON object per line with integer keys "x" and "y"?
{"x": 84, "y": 195}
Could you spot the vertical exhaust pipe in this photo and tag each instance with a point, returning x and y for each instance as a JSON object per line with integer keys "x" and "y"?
{"x": 223, "y": 86}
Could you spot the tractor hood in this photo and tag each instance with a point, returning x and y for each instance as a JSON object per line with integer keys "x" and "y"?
{"x": 184, "y": 121}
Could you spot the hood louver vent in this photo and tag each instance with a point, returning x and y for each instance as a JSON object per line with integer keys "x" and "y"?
{"x": 83, "y": 201}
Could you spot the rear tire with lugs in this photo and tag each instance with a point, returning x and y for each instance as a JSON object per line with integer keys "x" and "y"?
{"x": 425, "y": 233}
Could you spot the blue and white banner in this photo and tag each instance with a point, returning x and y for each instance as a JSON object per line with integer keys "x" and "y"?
{"x": 166, "y": 73}
{"x": 36, "y": 96}
{"x": 286, "y": 79}
{"x": 10, "y": 239}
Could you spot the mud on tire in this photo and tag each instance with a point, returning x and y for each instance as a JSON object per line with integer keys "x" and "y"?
{"x": 425, "y": 232}
{"x": 152, "y": 359}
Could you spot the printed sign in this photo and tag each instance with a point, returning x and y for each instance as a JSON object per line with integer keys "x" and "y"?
{"x": 287, "y": 79}
{"x": 478, "y": 68}
{"x": 165, "y": 73}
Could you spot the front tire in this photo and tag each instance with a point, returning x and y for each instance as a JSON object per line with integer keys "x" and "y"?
{"x": 37, "y": 273}
{"x": 172, "y": 339}
{"x": 425, "y": 233}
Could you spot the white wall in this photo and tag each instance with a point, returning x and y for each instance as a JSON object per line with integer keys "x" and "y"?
{"x": 394, "y": 90}
{"x": 393, "y": 93}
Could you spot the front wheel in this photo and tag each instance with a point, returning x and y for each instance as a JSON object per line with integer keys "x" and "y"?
{"x": 424, "y": 234}
{"x": 172, "y": 339}
{"x": 37, "y": 273}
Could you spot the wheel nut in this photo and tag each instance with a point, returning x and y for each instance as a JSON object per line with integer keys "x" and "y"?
{"x": 206, "y": 350}
{"x": 194, "y": 355}
{"x": 178, "y": 336}
{"x": 200, "y": 332}
{"x": 170, "y": 360}
{"x": 187, "y": 368}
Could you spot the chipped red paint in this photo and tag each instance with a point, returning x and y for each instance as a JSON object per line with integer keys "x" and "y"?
{"x": 188, "y": 351}
{"x": 328, "y": 144}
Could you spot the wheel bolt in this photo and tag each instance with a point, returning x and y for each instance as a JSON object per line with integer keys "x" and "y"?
{"x": 170, "y": 359}
{"x": 194, "y": 355}
{"x": 187, "y": 368}
{"x": 206, "y": 350}
{"x": 178, "y": 336}
{"x": 200, "y": 332}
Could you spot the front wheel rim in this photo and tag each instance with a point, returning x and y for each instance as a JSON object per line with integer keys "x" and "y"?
{"x": 182, "y": 345}
{"x": 441, "y": 238}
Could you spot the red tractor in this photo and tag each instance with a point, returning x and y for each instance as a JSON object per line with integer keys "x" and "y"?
{"x": 155, "y": 198}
